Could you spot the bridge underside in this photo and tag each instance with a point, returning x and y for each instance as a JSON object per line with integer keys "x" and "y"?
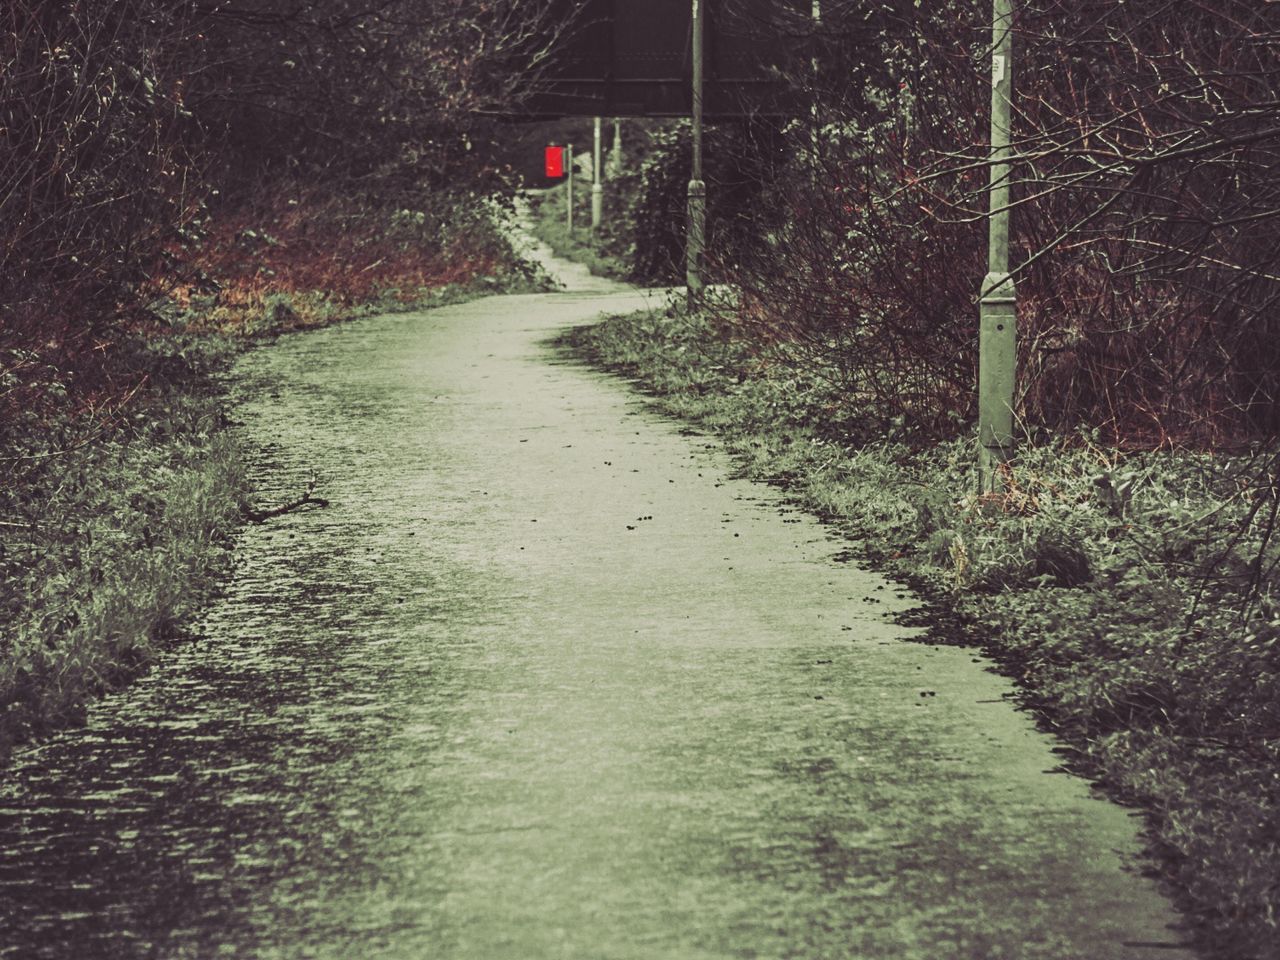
{"x": 633, "y": 58}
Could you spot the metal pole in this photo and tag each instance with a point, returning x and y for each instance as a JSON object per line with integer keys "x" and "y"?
{"x": 569, "y": 174}
{"x": 615, "y": 155}
{"x": 997, "y": 331}
{"x": 816, "y": 13}
{"x": 695, "y": 237}
{"x": 597, "y": 173}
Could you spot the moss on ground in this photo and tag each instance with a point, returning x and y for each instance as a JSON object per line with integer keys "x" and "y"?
{"x": 1117, "y": 589}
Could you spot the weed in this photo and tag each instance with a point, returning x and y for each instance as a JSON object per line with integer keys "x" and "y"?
{"x": 292, "y": 262}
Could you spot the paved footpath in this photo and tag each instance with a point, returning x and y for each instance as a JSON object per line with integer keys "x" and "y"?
{"x": 544, "y": 681}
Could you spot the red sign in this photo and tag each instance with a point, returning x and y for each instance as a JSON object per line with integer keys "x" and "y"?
{"x": 555, "y": 161}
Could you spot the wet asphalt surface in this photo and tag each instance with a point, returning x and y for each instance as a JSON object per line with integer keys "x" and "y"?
{"x": 545, "y": 681}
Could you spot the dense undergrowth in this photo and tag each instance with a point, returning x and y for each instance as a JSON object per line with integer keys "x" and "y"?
{"x": 117, "y": 508}
{"x": 1131, "y": 595}
{"x": 299, "y": 259}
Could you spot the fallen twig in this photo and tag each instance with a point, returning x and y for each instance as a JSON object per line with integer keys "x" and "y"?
{"x": 307, "y": 499}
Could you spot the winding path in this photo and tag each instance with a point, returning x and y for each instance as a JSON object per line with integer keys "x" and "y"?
{"x": 545, "y": 681}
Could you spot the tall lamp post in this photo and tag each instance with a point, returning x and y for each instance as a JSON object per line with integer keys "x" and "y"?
{"x": 569, "y": 187}
{"x": 597, "y": 174}
{"x": 695, "y": 236}
{"x": 615, "y": 155}
{"x": 997, "y": 319}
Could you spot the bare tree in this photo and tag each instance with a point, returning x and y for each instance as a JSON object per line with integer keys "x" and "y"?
{"x": 1145, "y": 212}
{"x": 119, "y": 119}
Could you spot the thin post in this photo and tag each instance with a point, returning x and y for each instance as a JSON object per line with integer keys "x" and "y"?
{"x": 814, "y": 134}
{"x": 695, "y": 237}
{"x": 997, "y": 317}
{"x": 569, "y": 184}
{"x": 597, "y": 174}
{"x": 615, "y": 154}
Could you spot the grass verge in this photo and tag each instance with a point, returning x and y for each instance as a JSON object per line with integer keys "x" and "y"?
{"x": 116, "y": 514}
{"x": 121, "y": 489}
{"x": 1129, "y": 595}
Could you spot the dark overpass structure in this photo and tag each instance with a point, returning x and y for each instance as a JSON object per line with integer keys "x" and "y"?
{"x": 634, "y": 58}
{"x": 702, "y": 59}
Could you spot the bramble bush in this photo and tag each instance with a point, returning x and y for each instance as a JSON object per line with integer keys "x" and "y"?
{"x": 301, "y": 257}
{"x": 1146, "y": 147}
{"x": 96, "y": 172}
{"x": 739, "y": 163}
{"x": 133, "y": 130}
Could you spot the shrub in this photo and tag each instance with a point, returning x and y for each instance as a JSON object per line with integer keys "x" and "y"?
{"x": 738, "y": 167}
{"x": 1145, "y": 270}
